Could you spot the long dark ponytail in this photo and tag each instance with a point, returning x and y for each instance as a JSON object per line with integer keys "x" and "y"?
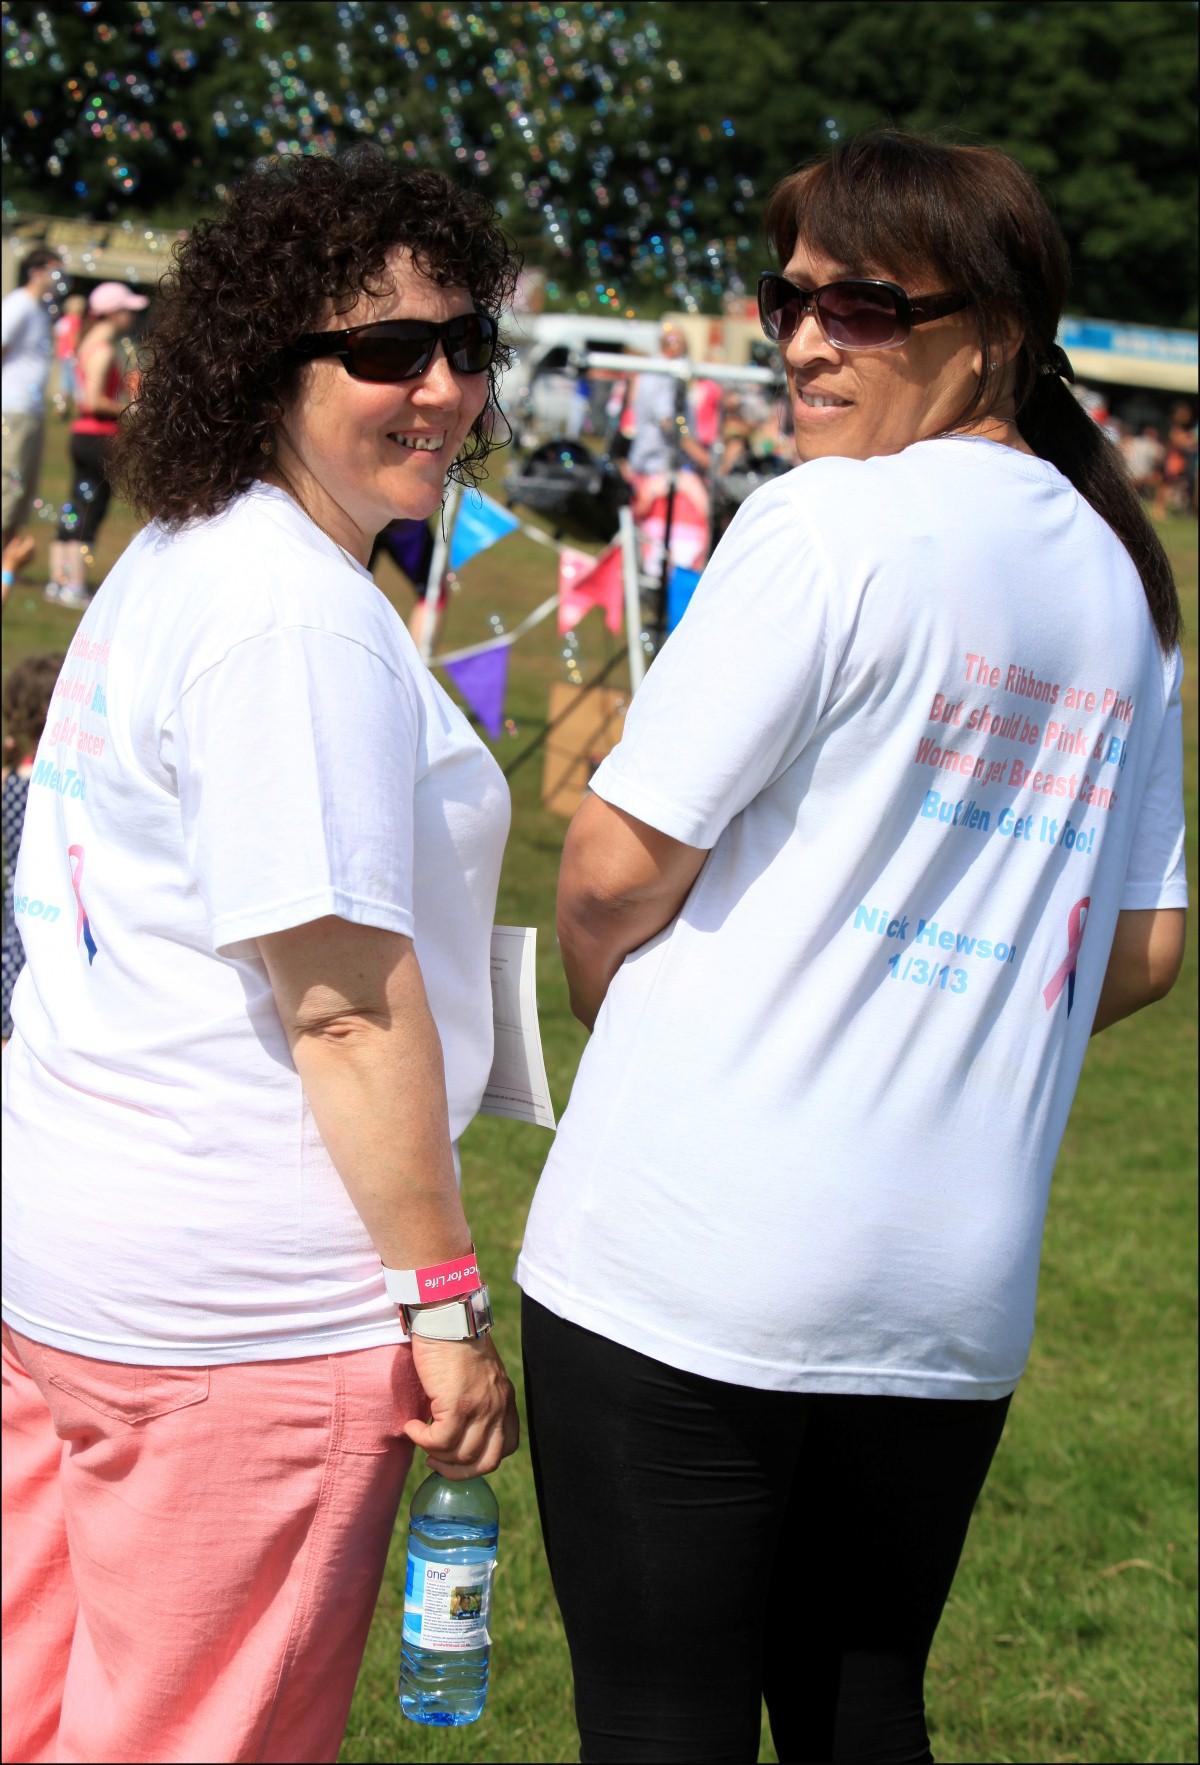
{"x": 1057, "y": 427}
{"x": 975, "y": 218}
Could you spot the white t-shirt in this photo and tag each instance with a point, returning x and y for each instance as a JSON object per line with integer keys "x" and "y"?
{"x": 918, "y": 712}
{"x": 243, "y": 739}
{"x": 28, "y": 344}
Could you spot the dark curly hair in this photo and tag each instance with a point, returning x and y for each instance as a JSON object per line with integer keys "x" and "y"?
{"x": 296, "y": 236}
{"x": 28, "y": 690}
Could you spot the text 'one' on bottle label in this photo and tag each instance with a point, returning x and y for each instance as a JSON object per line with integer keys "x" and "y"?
{"x": 446, "y": 1605}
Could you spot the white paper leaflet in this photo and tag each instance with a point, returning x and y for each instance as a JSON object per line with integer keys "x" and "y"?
{"x": 517, "y": 1085}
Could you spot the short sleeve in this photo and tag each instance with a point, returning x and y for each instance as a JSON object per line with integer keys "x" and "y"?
{"x": 1156, "y": 876}
{"x": 739, "y": 686}
{"x": 296, "y": 762}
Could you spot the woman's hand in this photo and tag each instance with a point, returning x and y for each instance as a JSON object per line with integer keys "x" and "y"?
{"x": 471, "y": 1403}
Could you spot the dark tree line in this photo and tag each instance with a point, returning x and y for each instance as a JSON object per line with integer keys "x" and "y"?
{"x": 628, "y": 146}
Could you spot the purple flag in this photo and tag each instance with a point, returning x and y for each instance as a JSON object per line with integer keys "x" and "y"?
{"x": 481, "y": 680}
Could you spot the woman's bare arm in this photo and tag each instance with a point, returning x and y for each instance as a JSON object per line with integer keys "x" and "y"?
{"x": 620, "y": 883}
{"x": 1147, "y": 953}
{"x": 352, "y": 1003}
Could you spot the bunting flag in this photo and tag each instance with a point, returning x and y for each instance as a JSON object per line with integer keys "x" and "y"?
{"x": 681, "y": 586}
{"x": 481, "y": 522}
{"x": 585, "y": 582}
{"x": 482, "y": 679}
{"x": 689, "y": 527}
{"x": 573, "y": 566}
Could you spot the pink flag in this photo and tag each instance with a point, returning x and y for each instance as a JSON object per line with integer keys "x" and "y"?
{"x": 689, "y": 525}
{"x": 481, "y": 679}
{"x": 573, "y": 566}
{"x": 585, "y": 582}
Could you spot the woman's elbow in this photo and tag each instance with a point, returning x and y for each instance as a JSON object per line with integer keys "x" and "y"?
{"x": 1167, "y": 948}
{"x": 1164, "y": 972}
{"x": 591, "y": 894}
{"x": 1151, "y": 952}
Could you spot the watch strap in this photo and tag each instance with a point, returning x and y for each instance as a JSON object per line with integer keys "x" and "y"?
{"x": 454, "y": 1320}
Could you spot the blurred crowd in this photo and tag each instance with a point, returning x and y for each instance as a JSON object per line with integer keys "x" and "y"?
{"x": 715, "y": 441}
{"x": 88, "y": 338}
{"x": 1159, "y": 457}
{"x": 719, "y": 441}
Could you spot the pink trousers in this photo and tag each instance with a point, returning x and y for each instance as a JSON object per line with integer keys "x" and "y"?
{"x": 192, "y": 1554}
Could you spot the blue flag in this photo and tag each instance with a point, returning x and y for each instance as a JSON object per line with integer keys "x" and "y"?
{"x": 481, "y": 522}
{"x": 681, "y": 586}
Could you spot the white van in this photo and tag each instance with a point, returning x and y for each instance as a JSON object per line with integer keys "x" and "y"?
{"x": 541, "y": 393}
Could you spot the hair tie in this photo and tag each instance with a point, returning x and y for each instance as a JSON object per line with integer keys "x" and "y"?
{"x": 1058, "y": 362}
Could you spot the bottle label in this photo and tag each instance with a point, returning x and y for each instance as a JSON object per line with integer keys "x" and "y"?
{"x": 447, "y": 1605}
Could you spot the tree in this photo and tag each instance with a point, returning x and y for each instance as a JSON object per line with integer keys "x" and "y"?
{"x": 629, "y": 148}
{"x": 1096, "y": 100}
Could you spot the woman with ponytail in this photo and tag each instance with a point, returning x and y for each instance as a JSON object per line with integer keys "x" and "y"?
{"x": 895, "y": 824}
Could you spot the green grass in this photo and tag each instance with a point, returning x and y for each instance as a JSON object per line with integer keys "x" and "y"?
{"x": 1069, "y": 1635}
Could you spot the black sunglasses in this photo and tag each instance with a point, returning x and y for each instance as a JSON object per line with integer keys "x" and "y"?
{"x": 401, "y": 349}
{"x": 857, "y": 313}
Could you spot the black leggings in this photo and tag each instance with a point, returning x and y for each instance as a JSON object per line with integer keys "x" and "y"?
{"x": 91, "y": 492}
{"x": 712, "y": 1545}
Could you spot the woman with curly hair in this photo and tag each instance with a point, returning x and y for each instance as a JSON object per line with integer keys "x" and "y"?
{"x": 247, "y": 1040}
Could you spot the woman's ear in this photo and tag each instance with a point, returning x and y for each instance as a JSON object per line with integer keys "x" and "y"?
{"x": 1006, "y": 348}
{"x": 1000, "y": 352}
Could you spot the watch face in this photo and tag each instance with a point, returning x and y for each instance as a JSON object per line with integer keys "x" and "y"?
{"x": 481, "y": 1308}
{"x": 454, "y": 1320}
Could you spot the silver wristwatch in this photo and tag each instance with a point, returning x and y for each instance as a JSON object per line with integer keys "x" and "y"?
{"x": 453, "y": 1320}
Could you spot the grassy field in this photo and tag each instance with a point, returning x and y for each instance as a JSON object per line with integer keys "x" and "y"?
{"x": 1070, "y": 1633}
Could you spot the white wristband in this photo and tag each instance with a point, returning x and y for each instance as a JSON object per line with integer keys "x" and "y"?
{"x": 427, "y": 1286}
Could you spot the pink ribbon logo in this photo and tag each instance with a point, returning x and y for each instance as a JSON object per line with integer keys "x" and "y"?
{"x": 1064, "y": 975}
{"x": 83, "y": 927}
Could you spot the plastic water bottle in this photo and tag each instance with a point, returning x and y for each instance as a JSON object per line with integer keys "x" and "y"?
{"x": 453, "y": 1529}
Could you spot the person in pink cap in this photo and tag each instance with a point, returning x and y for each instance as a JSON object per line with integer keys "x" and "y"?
{"x": 103, "y": 389}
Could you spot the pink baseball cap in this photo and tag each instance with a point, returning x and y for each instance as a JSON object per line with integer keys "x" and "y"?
{"x": 115, "y": 297}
